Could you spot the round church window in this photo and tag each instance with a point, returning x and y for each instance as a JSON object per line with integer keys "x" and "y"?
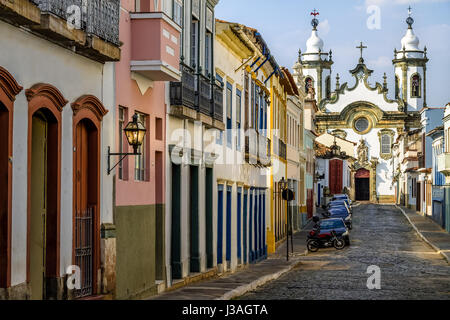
{"x": 361, "y": 125}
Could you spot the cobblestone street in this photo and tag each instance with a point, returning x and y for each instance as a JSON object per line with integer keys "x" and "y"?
{"x": 381, "y": 236}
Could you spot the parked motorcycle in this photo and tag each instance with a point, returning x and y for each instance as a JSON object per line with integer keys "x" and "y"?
{"x": 318, "y": 240}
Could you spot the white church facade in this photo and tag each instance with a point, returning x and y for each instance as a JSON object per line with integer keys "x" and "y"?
{"x": 361, "y": 112}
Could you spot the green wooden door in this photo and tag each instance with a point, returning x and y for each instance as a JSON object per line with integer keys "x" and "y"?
{"x": 38, "y": 206}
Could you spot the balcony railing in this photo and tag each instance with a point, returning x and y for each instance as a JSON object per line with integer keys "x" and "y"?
{"x": 281, "y": 149}
{"x": 204, "y": 95}
{"x": 258, "y": 149}
{"x": 264, "y": 151}
{"x": 183, "y": 93}
{"x": 421, "y": 158}
{"x": 217, "y": 102}
{"x": 98, "y": 17}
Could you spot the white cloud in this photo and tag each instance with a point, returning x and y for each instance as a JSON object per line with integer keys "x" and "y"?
{"x": 324, "y": 27}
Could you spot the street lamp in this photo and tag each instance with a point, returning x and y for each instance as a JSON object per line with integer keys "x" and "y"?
{"x": 282, "y": 184}
{"x": 135, "y": 133}
{"x": 287, "y": 195}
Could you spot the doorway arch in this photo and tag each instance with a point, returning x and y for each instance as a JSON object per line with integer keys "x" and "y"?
{"x": 9, "y": 88}
{"x": 88, "y": 113}
{"x": 362, "y": 185}
{"x": 45, "y": 105}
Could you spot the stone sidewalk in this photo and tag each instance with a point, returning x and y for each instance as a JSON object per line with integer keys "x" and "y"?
{"x": 236, "y": 284}
{"x": 429, "y": 231}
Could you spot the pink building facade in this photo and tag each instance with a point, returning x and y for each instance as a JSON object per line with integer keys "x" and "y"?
{"x": 150, "y": 58}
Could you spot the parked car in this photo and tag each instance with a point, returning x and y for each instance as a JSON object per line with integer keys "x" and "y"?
{"x": 342, "y": 213}
{"x": 324, "y": 228}
{"x": 339, "y": 203}
{"x": 341, "y": 197}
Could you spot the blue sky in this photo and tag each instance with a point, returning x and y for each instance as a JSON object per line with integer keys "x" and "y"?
{"x": 285, "y": 25}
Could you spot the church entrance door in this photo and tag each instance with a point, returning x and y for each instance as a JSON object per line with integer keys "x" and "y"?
{"x": 362, "y": 185}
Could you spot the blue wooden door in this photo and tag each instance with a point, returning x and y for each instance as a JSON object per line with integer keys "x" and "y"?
{"x": 255, "y": 226}
{"x": 220, "y": 225}
{"x": 228, "y": 248}
{"x": 245, "y": 225}
{"x": 264, "y": 224}
{"x": 239, "y": 239}
{"x": 250, "y": 227}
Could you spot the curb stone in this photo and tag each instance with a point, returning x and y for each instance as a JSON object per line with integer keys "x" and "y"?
{"x": 443, "y": 254}
{"x": 239, "y": 291}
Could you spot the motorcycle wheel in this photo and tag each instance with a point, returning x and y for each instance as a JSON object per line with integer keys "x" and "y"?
{"x": 312, "y": 245}
{"x": 339, "y": 244}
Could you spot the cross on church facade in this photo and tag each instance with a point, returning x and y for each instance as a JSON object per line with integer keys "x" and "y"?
{"x": 361, "y": 47}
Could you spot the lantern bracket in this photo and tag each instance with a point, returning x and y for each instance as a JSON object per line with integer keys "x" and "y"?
{"x": 123, "y": 155}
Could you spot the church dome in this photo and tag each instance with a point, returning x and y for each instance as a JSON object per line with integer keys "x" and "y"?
{"x": 410, "y": 41}
{"x": 314, "y": 43}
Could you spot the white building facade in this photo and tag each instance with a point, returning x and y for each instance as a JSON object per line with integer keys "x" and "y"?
{"x": 59, "y": 101}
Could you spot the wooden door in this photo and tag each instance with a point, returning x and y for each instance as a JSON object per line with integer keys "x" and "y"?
{"x": 418, "y": 197}
{"x": 86, "y": 201}
{"x": 220, "y": 224}
{"x": 194, "y": 233}
{"x": 310, "y": 202}
{"x": 362, "y": 186}
{"x": 335, "y": 176}
{"x": 38, "y": 206}
{"x": 5, "y": 182}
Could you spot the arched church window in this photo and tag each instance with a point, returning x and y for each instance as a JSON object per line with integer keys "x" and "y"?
{"x": 308, "y": 84}
{"x": 386, "y": 144}
{"x": 415, "y": 86}
{"x": 327, "y": 88}
{"x": 397, "y": 88}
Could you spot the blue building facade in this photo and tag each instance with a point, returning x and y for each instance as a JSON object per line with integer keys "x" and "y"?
{"x": 437, "y": 146}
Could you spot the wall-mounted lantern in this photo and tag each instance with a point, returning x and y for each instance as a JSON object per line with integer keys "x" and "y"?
{"x": 135, "y": 133}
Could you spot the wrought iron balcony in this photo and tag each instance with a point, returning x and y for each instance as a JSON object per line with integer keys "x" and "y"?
{"x": 183, "y": 93}
{"x": 204, "y": 95}
{"x": 281, "y": 149}
{"x": 217, "y": 102}
{"x": 258, "y": 149}
{"x": 98, "y": 17}
{"x": 264, "y": 151}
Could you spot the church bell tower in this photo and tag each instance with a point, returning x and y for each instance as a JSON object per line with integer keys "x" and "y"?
{"x": 316, "y": 64}
{"x": 410, "y": 66}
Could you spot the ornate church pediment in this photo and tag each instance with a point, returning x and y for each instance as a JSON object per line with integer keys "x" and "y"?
{"x": 376, "y": 95}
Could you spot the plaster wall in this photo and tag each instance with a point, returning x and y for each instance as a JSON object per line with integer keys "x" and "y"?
{"x": 32, "y": 60}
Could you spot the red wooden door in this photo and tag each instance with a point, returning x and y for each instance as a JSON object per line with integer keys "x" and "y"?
{"x": 86, "y": 229}
{"x": 335, "y": 176}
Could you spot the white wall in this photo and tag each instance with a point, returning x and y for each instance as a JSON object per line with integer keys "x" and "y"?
{"x": 33, "y": 60}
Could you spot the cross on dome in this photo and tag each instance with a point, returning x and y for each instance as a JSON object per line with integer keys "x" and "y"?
{"x": 409, "y": 20}
{"x": 315, "y": 21}
{"x": 361, "y": 47}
